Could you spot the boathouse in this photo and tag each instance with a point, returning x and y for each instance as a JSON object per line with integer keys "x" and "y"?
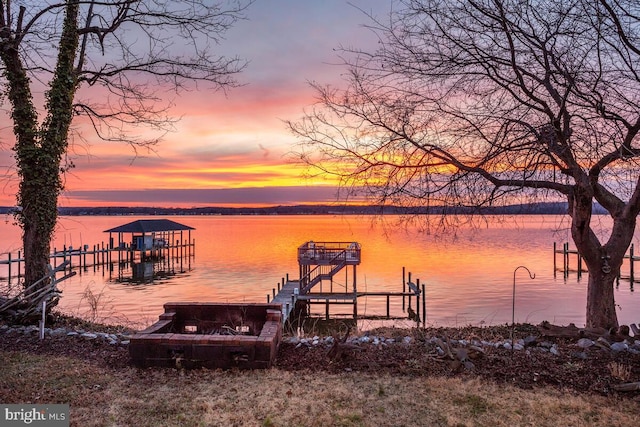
{"x": 149, "y": 234}
{"x": 151, "y": 247}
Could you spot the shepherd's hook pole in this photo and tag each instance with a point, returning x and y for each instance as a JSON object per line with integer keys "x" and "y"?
{"x": 513, "y": 303}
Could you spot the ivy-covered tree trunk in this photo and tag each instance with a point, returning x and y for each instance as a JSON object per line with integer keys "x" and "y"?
{"x": 39, "y": 152}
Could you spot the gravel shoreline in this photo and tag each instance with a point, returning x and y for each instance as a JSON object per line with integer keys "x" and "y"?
{"x": 527, "y": 360}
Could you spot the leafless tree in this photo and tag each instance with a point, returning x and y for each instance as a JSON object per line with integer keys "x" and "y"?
{"x": 479, "y": 102}
{"x": 105, "y": 63}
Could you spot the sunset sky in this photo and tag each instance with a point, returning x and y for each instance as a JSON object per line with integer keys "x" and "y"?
{"x": 228, "y": 149}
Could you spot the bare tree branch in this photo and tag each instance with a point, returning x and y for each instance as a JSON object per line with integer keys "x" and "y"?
{"x": 473, "y": 102}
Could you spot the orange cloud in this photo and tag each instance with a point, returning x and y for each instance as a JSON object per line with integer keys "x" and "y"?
{"x": 233, "y": 140}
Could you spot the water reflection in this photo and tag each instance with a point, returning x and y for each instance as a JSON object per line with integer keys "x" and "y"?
{"x": 154, "y": 269}
{"x": 468, "y": 278}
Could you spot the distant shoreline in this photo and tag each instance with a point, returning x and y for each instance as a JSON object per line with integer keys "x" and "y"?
{"x": 548, "y": 208}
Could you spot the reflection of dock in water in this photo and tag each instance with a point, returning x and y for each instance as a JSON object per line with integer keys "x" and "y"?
{"x": 320, "y": 263}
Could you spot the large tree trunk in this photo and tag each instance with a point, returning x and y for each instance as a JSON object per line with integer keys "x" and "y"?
{"x": 39, "y": 151}
{"x": 41, "y": 165}
{"x": 25, "y": 127}
{"x": 39, "y": 196}
{"x": 601, "y": 309}
{"x": 603, "y": 261}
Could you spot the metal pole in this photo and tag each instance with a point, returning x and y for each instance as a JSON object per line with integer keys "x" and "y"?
{"x": 513, "y": 303}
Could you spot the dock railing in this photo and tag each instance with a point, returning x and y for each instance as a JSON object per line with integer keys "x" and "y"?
{"x": 329, "y": 252}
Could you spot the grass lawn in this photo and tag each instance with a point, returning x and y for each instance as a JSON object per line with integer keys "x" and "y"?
{"x": 104, "y": 396}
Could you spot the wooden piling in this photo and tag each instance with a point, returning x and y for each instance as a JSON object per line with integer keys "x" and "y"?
{"x": 631, "y": 267}
{"x": 404, "y": 288}
{"x": 424, "y": 307}
{"x": 579, "y": 265}
{"x": 388, "y": 306}
{"x": 418, "y": 302}
{"x": 409, "y": 302}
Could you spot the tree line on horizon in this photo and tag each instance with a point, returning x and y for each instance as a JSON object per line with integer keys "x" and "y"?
{"x": 541, "y": 208}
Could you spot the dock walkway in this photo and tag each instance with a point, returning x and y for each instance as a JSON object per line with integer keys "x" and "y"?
{"x": 287, "y": 297}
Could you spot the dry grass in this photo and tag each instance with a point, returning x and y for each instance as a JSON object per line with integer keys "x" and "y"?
{"x": 620, "y": 371}
{"x": 102, "y": 396}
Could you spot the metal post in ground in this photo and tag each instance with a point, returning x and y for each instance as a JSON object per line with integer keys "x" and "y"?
{"x": 513, "y": 306}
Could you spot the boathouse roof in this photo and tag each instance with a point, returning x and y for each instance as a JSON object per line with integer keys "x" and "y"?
{"x": 149, "y": 226}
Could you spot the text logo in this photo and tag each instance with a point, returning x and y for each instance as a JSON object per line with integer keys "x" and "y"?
{"x": 34, "y": 415}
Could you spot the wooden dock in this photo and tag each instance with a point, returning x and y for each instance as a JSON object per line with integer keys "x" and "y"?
{"x": 287, "y": 297}
{"x": 320, "y": 262}
{"x": 568, "y": 253}
{"x": 99, "y": 256}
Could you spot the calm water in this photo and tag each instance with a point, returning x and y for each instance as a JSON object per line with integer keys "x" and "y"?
{"x": 469, "y": 277}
